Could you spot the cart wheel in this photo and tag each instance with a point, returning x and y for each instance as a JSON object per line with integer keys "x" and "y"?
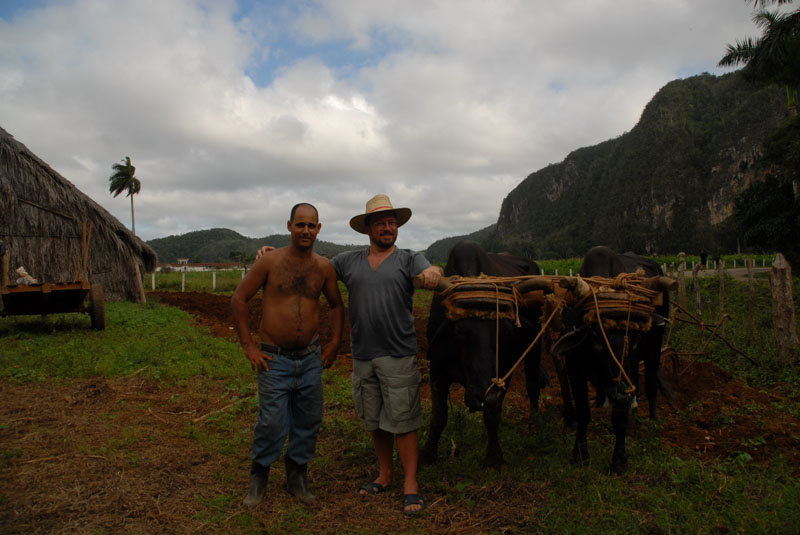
{"x": 97, "y": 307}
{"x": 670, "y": 364}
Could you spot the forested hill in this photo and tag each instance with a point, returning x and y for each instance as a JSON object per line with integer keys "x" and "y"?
{"x": 224, "y": 245}
{"x": 667, "y": 185}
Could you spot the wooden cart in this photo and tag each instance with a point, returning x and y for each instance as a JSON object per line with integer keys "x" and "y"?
{"x": 56, "y": 297}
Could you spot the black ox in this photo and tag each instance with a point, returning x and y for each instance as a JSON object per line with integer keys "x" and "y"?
{"x": 588, "y": 358}
{"x": 462, "y": 351}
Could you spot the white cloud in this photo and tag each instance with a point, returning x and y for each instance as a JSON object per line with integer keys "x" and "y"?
{"x": 232, "y": 117}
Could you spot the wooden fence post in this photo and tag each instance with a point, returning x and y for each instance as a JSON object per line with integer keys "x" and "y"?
{"x": 213, "y": 281}
{"x": 183, "y": 280}
{"x": 140, "y": 284}
{"x": 751, "y": 308}
{"x": 153, "y": 281}
{"x": 721, "y": 275}
{"x": 783, "y": 316}
{"x": 698, "y": 309}
{"x": 682, "y": 280}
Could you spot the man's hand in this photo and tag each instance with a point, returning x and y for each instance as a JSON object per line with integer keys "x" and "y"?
{"x": 264, "y": 250}
{"x": 431, "y": 276}
{"x": 258, "y": 360}
{"x": 329, "y": 354}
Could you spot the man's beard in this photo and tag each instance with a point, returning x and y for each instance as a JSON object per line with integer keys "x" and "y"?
{"x": 382, "y": 243}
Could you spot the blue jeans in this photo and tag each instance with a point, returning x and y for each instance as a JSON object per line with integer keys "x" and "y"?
{"x": 289, "y": 403}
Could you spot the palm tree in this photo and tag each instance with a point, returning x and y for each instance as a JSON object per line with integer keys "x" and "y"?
{"x": 775, "y": 56}
{"x": 122, "y": 180}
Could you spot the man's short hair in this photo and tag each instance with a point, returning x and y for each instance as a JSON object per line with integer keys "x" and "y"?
{"x": 298, "y": 205}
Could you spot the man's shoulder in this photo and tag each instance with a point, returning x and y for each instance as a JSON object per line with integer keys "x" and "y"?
{"x": 407, "y": 252}
{"x": 348, "y": 256}
{"x": 322, "y": 261}
{"x": 269, "y": 258}
{"x": 410, "y": 254}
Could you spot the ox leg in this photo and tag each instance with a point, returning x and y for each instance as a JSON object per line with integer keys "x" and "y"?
{"x": 652, "y": 378}
{"x": 491, "y": 419}
{"x": 619, "y": 459}
{"x": 439, "y": 394}
{"x": 568, "y": 412}
{"x": 580, "y": 392}
{"x": 535, "y": 379}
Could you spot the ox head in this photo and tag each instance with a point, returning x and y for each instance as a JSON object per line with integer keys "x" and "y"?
{"x": 592, "y": 350}
{"x": 471, "y": 343}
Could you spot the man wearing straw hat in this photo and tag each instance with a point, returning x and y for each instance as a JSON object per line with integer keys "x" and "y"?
{"x": 384, "y": 343}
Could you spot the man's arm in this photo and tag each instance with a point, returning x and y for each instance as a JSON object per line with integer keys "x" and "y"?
{"x": 246, "y": 289}
{"x": 336, "y": 315}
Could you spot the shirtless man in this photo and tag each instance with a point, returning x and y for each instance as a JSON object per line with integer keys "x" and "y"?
{"x": 289, "y": 361}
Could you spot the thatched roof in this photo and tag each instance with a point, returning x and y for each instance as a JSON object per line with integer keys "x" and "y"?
{"x": 41, "y": 224}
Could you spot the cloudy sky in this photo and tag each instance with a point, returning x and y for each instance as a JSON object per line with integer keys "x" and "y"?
{"x": 233, "y": 111}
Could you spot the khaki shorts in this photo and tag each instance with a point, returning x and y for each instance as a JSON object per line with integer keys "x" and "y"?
{"x": 386, "y": 393}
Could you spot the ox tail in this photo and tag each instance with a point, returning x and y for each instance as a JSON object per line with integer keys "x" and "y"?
{"x": 544, "y": 377}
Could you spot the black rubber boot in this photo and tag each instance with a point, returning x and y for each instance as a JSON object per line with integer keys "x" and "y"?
{"x": 258, "y": 485}
{"x": 296, "y": 482}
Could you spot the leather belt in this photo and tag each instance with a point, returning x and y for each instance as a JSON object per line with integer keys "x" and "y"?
{"x": 295, "y": 354}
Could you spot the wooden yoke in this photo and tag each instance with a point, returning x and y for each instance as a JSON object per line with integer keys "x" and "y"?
{"x": 444, "y": 283}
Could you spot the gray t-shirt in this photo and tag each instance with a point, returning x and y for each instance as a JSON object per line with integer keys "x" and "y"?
{"x": 381, "y": 302}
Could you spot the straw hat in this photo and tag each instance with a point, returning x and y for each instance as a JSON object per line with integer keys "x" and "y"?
{"x": 379, "y": 203}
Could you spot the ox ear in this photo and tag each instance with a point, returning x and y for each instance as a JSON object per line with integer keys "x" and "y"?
{"x": 442, "y": 341}
{"x": 659, "y": 320}
{"x": 569, "y": 341}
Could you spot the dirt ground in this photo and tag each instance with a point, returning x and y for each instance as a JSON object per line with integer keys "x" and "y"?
{"x": 72, "y": 461}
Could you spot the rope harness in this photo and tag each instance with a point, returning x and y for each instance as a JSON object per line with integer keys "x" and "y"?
{"x": 621, "y": 303}
{"x": 617, "y": 304}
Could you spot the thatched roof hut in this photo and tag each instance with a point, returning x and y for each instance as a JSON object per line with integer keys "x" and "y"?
{"x": 42, "y": 220}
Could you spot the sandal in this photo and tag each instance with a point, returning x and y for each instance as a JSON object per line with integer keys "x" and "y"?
{"x": 371, "y": 488}
{"x": 412, "y": 499}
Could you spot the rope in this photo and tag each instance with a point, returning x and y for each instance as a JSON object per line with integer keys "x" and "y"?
{"x": 497, "y": 342}
{"x": 501, "y": 382}
{"x": 634, "y": 299}
{"x": 630, "y": 388}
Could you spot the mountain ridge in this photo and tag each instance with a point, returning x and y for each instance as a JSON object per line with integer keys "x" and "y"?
{"x": 225, "y": 245}
{"x": 667, "y": 185}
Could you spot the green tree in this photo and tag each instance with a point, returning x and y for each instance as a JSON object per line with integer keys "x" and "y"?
{"x": 123, "y": 179}
{"x": 773, "y": 58}
{"x": 768, "y": 212}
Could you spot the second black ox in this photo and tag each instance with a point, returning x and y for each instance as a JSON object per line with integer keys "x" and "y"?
{"x": 588, "y": 350}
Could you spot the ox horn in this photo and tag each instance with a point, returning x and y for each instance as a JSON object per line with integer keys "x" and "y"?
{"x": 576, "y": 285}
{"x": 533, "y": 284}
{"x": 660, "y": 283}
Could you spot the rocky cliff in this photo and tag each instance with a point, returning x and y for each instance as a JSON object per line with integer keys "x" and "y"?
{"x": 667, "y": 185}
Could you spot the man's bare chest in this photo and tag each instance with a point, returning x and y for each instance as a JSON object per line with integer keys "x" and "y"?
{"x": 300, "y": 279}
